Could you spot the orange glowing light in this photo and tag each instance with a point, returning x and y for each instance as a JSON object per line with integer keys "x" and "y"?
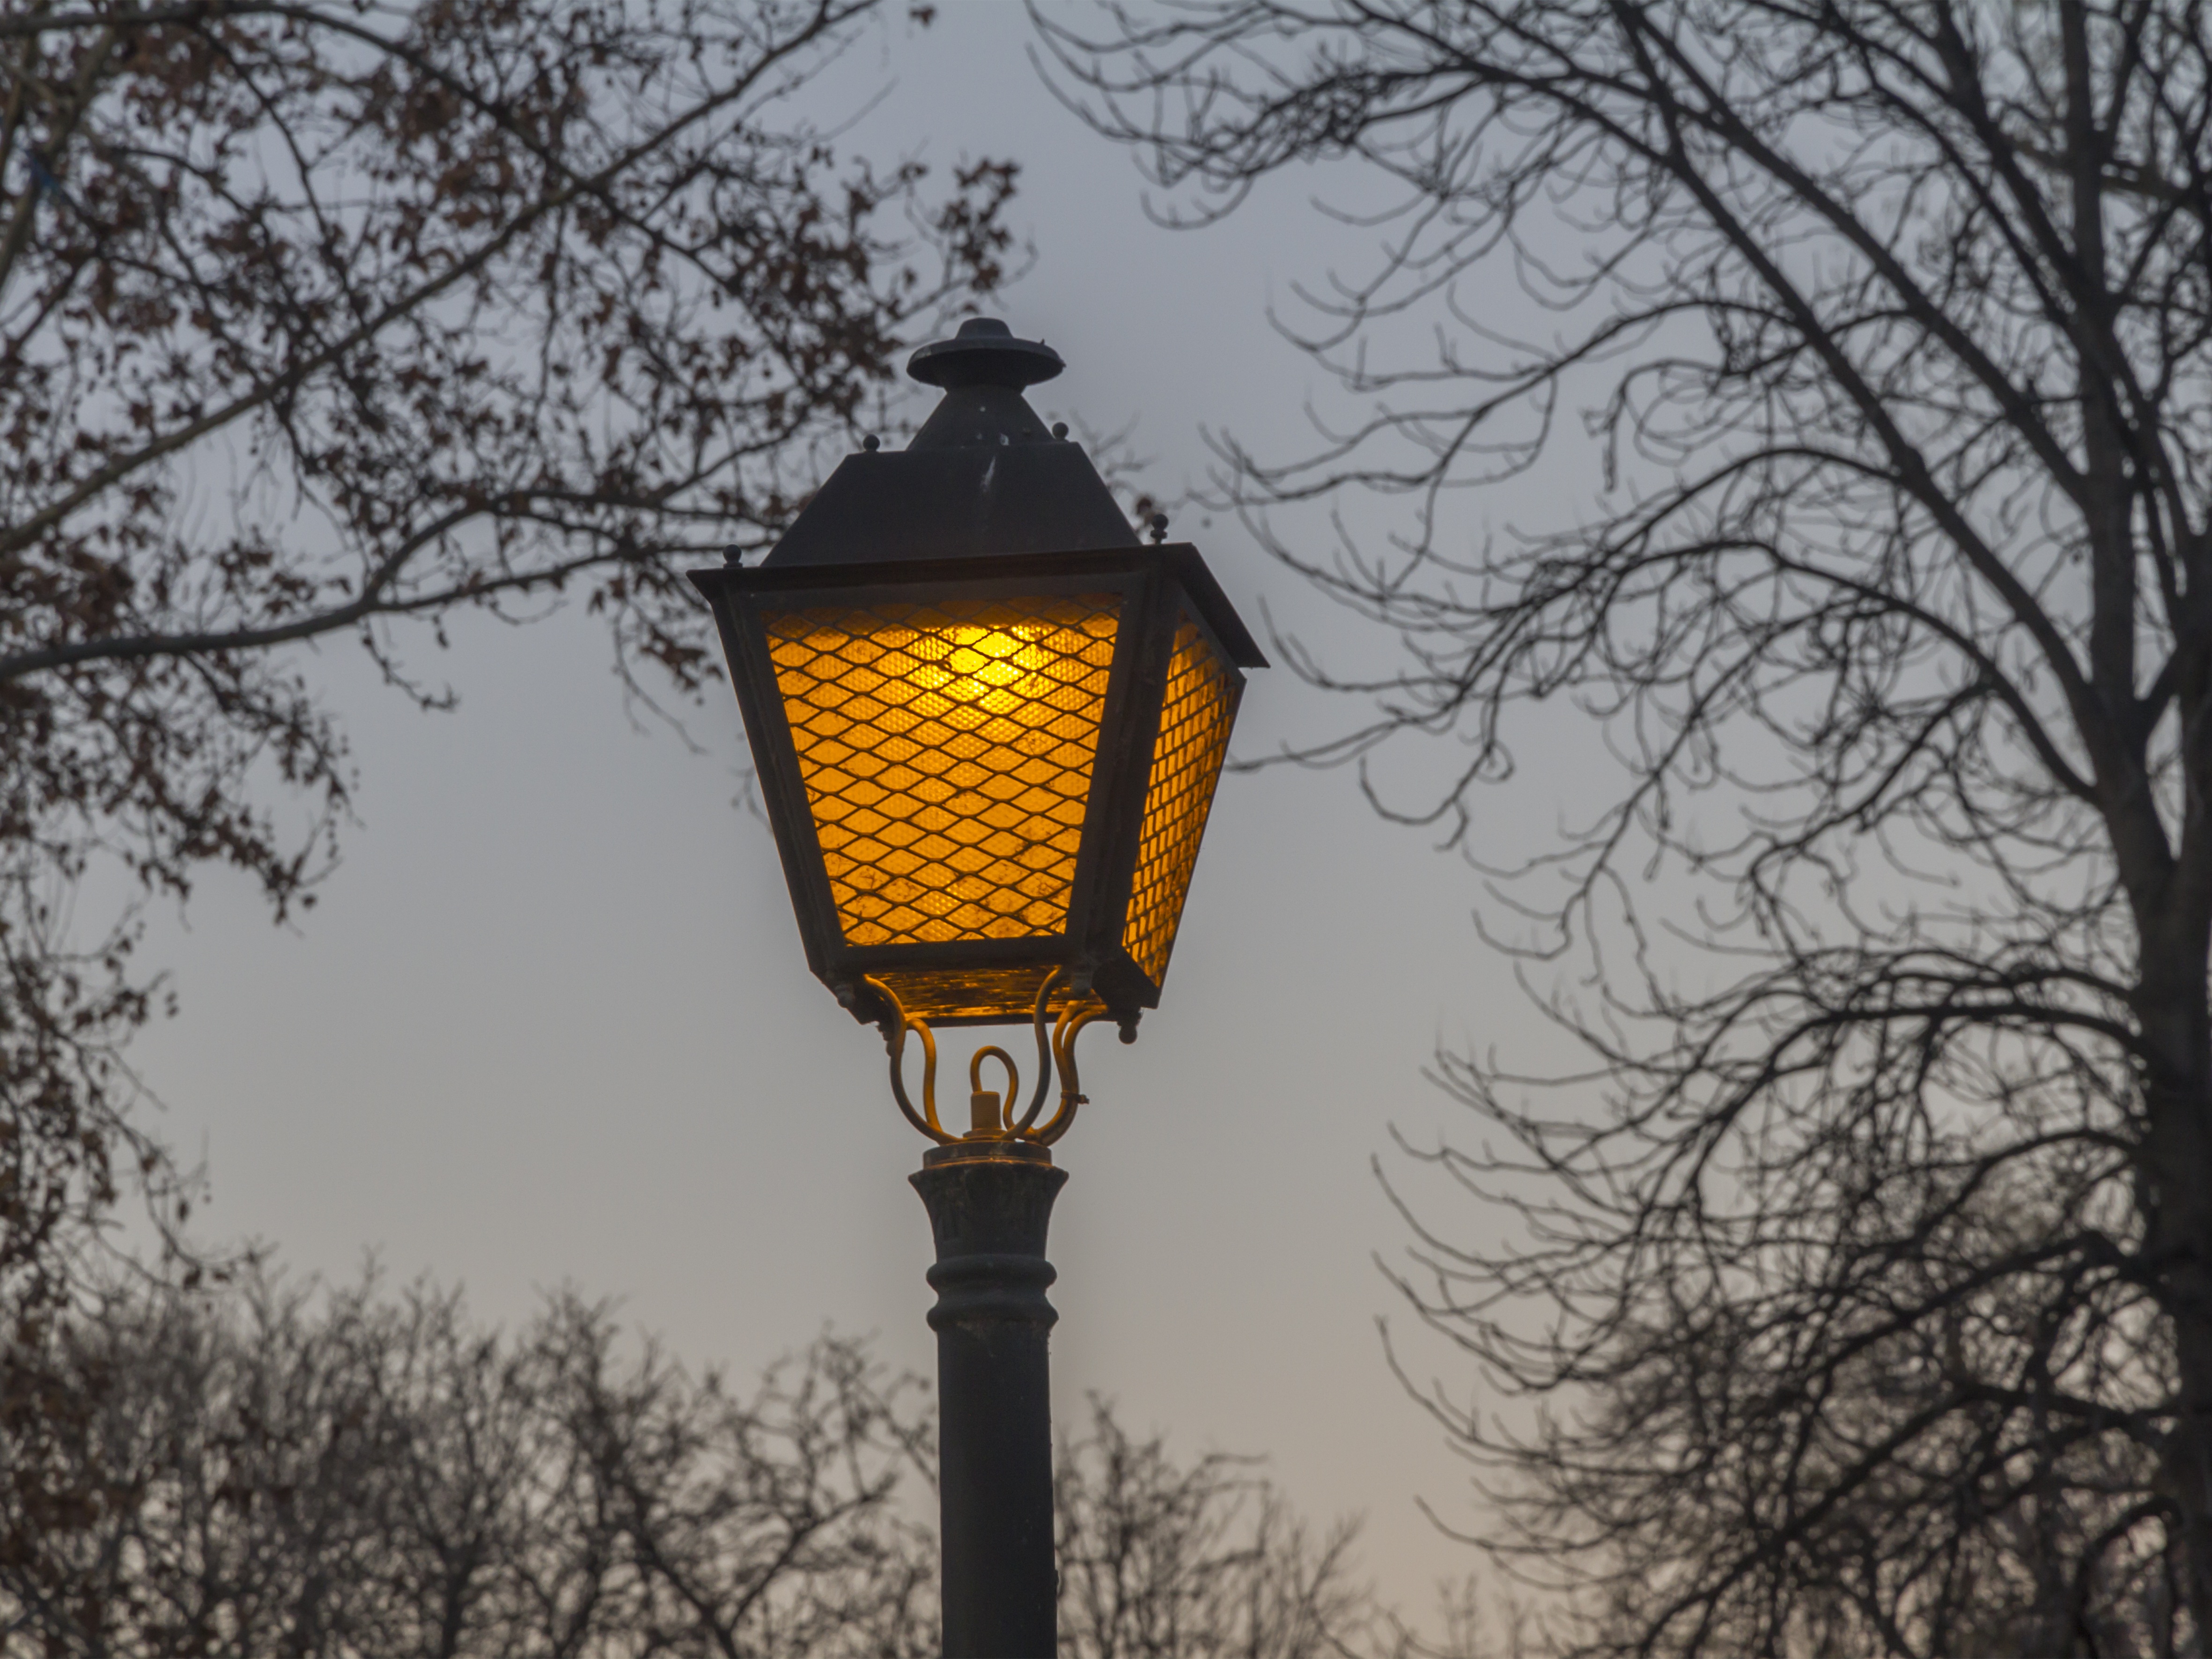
{"x": 947, "y": 752}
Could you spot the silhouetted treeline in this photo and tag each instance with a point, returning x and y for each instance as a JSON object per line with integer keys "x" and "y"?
{"x": 258, "y": 1471}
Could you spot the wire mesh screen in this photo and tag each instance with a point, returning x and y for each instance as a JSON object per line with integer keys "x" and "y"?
{"x": 947, "y": 750}
{"x": 1187, "y": 758}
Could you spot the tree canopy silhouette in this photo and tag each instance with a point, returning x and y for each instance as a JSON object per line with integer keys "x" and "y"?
{"x": 272, "y": 1469}
{"x": 330, "y": 321}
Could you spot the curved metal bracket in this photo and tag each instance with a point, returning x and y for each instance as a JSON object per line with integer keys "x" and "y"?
{"x": 895, "y": 1030}
{"x": 992, "y": 1115}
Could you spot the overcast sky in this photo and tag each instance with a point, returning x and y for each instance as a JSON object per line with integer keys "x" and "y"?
{"x": 551, "y": 1022}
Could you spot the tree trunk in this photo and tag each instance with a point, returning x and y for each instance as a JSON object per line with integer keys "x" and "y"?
{"x": 2175, "y": 1182}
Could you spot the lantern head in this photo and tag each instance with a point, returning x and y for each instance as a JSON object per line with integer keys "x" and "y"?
{"x": 986, "y": 720}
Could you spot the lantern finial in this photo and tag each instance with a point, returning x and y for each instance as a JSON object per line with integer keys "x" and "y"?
{"x": 984, "y": 353}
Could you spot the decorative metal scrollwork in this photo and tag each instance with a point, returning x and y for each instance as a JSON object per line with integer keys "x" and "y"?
{"x": 992, "y": 1115}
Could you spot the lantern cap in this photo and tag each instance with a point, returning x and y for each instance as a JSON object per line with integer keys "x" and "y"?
{"x": 984, "y": 353}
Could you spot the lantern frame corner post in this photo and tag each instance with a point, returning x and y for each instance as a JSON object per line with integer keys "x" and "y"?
{"x": 990, "y": 1206}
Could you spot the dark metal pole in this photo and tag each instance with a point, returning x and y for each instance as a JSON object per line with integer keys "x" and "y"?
{"x": 989, "y": 1203}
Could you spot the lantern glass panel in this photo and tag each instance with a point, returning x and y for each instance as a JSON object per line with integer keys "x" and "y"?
{"x": 1187, "y": 757}
{"x": 947, "y": 750}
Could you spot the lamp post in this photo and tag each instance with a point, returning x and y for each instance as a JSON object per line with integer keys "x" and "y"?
{"x": 987, "y": 722}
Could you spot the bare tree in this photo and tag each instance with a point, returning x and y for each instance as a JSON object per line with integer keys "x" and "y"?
{"x": 332, "y": 320}
{"x": 1207, "y": 1560}
{"x": 376, "y": 1475}
{"x": 267, "y": 1472}
{"x": 1865, "y": 1277}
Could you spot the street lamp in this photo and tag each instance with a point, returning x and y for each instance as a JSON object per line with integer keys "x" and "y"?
{"x": 987, "y": 722}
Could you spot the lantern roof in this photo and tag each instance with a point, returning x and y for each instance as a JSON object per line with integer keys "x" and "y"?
{"x": 984, "y": 475}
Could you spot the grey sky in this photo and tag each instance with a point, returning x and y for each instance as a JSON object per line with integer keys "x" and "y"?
{"x": 551, "y": 1022}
